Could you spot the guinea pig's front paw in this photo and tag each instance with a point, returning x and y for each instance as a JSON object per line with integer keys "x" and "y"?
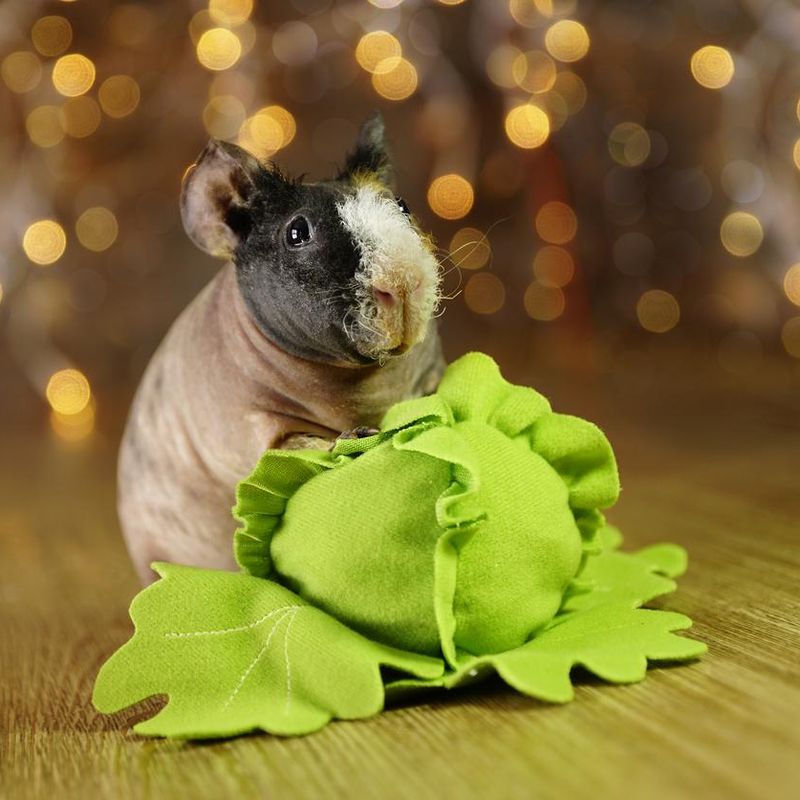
{"x": 361, "y": 432}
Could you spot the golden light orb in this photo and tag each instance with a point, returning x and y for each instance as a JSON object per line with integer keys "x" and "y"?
{"x": 790, "y": 335}
{"x": 796, "y": 154}
{"x": 712, "y": 67}
{"x": 230, "y": 12}
{"x": 44, "y": 242}
{"x": 51, "y": 35}
{"x": 451, "y": 196}
{"x": 73, "y": 75}
{"x": 223, "y": 116}
{"x": 218, "y": 49}
{"x": 378, "y": 50}
{"x": 44, "y": 127}
{"x": 21, "y": 71}
{"x": 80, "y": 116}
{"x": 535, "y": 72}
{"x": 450, "y": 2}
{"x": 556, "y": 222}
{"x": 527, "y": 126}
{"x": 629, "y": 144}
{"x": 470, "y": 249}
{"x": 525, "y": 13}
{"x": 544, "y": 303}
{"x": 658, "y": 311}
{"x": 500, "y": 65}
{"x": 1, "y": 292}
{"x": 396, "y": 83}
{"x": 267, "y": 131}
{"x": 791, "y": 284}
{"x": 572, "y": 89}
{"x": 567, "y": 40}
{"x": 484, "y": 293}
{"x": 553, "y": 266}
{"x": 68, "y": 392}
{"x": 741, "y": 233}
{"x": 119, "y": 96}
{"x": 97, "y": 229}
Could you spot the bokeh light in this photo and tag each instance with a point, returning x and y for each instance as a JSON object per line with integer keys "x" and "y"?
{"x": 712, "y": 67}
{"x": 790, "y": 335}
{"x": 534, "y": 71}
{"x": 791, "y": 284}
{"x": 451, "y": 196}
{"x": 567, "y": 40}
{"x": 571, "y": 88}
{"x": 796, "y": 154}
{"x": 119, "y": 96}
{"x": 80, "y": 116}
{"x": 97, "y": 229}
{"x": 527, "y": 126}
{"x": 68, "y": 392}
{"x": 51, "y": 35}
{"x": 658, "y": 311}
{"x": 73, "y": 75}
{"x": 21, "y": 71}
{"x": 224, "y": 116}
{"x": 741, "y": 233}
{"x": 556, "y": 222}
{"x": 218, "y": 49}
{"x": 267, "y": 131}
{"x": 396, "y": 83}
{"x": 500, "y": 65}
{"x": 44, "y": 242}
{"x": 470, "y": 249}
{"x": 230, "y": 12}
{"x": 553, "y": 266}
{"x": 629, "y": 144}
{"x": 544, "y": 303}
{"x": 294, "y": 43}
{"x": 44, "y": 126}
{"x": 378, "y": 51}
{"x": 484, "y": 293}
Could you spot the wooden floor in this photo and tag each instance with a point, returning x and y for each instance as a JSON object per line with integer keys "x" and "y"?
{"x": 710, "y": 462}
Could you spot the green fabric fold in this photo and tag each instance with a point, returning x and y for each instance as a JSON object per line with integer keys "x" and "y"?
{"x": 465, "y": 538}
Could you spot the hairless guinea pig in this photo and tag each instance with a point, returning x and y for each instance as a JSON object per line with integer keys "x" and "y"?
{"x": 321, "y": 320}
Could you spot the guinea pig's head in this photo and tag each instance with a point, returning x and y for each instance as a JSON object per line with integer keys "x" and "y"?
{"x": 334, "y": 271}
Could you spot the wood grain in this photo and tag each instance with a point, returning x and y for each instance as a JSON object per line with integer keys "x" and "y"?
{"x": 708, "y": 462}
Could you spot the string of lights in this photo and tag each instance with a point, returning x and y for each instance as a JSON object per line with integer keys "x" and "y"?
{"x": 655, "y": 195}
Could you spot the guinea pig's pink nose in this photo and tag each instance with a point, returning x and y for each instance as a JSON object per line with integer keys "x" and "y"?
{"x": 386, "y": 297}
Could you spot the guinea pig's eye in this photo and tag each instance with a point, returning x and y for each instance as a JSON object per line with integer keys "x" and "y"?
{"x": 403, "y": 206}
{"x": 299, "y": 232}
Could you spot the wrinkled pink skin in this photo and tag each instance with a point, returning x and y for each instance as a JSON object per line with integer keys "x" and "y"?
{"x": 215, "y": 396}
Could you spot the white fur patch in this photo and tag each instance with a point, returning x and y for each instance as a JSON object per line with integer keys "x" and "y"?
{"x": 394, "y": 259}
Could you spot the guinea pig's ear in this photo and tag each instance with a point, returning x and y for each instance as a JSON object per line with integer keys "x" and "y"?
{"x": 215, "y": 197}
{"x": 370, "y": 154}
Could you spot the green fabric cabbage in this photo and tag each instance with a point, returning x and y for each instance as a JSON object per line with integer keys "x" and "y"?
{"x": 466, "y": 537}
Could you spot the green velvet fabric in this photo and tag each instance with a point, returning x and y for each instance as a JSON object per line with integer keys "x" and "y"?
{"x": 464, "y": 538}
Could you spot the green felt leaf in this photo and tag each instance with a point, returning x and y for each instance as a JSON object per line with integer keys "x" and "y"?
{"x": 632, "y": 579}
{"x": 236, "y": 653}
{"x": 612, "y": 641}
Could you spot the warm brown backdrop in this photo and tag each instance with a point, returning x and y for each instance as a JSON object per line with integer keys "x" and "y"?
{"x": 697, "y": 384}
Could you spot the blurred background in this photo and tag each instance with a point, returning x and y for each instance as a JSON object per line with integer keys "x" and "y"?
{"x": 615, "y": 181}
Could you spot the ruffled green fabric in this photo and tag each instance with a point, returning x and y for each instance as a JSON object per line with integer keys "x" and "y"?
{"x": 459, "y": 527}
{"x": 466, "y": 538}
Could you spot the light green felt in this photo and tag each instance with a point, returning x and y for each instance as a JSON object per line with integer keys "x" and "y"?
{"x": 236, "y": 653}
{"x": 463, "y": 539}
{"x": 483, "y": 501}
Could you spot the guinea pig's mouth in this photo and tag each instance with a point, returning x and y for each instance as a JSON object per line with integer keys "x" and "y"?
{"x": 391, "y": 316}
